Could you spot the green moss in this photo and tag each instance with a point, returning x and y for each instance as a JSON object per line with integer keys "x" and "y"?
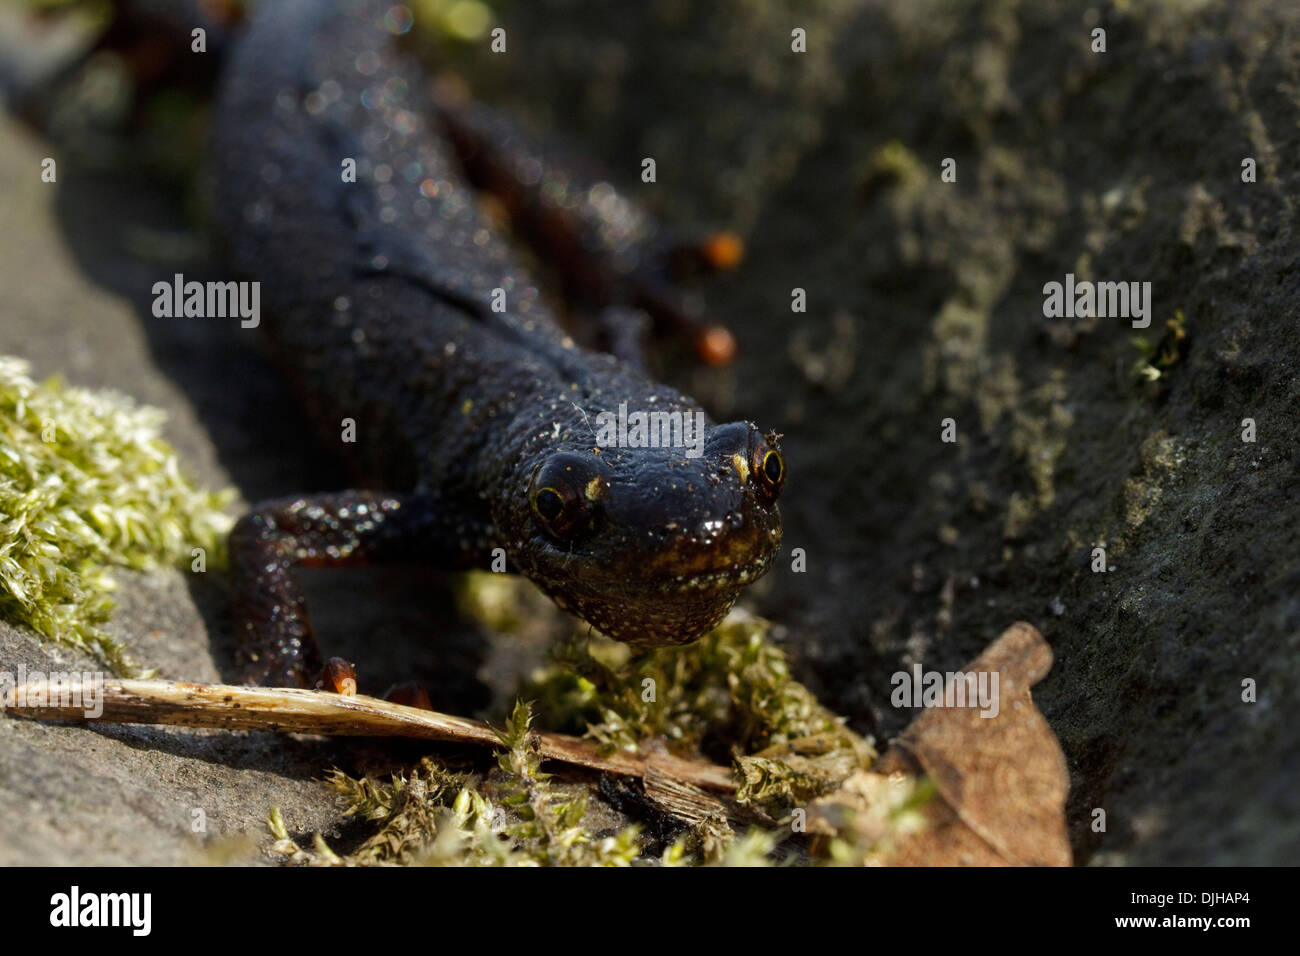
{"x": 728, "y": 696}
{"x": 707, "y": 844}
{"x": 1159, "y": 357}
{"x": 88, "y": 484}
{"x": 731, "y": 691}
{"x": 779, "y": 784}
{"x": 731, "y": 688}
{"x": 435, "y": 818}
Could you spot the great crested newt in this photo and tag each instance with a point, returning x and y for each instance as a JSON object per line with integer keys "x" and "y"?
{"x": 395, "y": 305}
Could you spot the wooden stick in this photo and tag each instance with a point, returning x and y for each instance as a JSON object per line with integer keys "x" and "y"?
{"x": 292, "y": 710}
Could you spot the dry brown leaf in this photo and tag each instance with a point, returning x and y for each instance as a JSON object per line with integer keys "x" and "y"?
{"x": 1004, "y": 777}
{"x": 1002, "y": 780}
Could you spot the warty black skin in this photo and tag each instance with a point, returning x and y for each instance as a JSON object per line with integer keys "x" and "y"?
{"x": 377, "y": 297}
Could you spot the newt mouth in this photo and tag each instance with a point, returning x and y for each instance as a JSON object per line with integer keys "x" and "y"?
{"x": 707, "y": 582}
{"x": 666, "y": 610}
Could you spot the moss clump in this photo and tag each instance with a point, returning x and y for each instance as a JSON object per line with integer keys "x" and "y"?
{"x": 729, "y": 695}
{"x": 435, "y": 818}
{"x": 731, "y": 691}
{"x": 87, "y": 484}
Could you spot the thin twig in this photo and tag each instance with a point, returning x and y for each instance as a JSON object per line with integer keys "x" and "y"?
{"x": 292, "y": 710}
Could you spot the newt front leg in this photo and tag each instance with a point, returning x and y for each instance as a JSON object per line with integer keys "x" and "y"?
{"x": 275, "y": 640}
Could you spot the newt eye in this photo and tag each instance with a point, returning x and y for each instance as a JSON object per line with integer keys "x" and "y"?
{"x": 563, "y": 495}
{"x": 549, "y": 504}
{"x": 772, "y": 467}
{"x": 768, "y": 466}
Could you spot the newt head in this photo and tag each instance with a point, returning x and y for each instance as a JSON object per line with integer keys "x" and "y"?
{"x": 648, "y": 545}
